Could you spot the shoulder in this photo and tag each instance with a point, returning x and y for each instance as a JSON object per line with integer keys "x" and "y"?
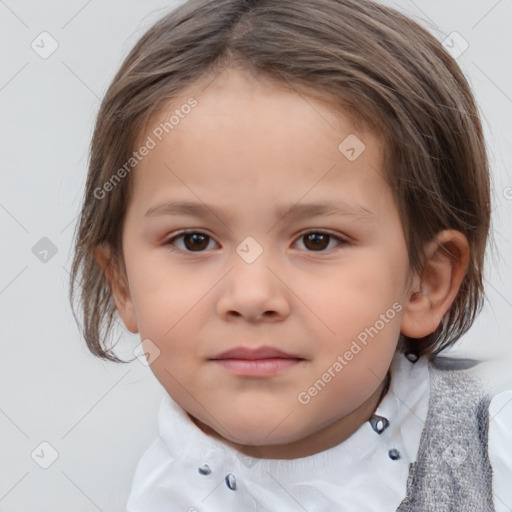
{"x": 457, "y": 385}
{"x": 452, "y": 469}
{"x": 457, "y": 379}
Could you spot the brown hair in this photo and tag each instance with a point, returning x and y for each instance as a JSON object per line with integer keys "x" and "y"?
{"x": 377, "y": 65}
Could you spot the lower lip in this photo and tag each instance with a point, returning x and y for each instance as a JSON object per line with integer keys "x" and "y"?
{"x": 258, "y": 367}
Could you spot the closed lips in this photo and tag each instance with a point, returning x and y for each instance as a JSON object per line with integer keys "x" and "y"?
{"x": 257, "y": 353}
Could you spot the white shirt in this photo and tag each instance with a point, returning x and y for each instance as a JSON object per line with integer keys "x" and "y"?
{"x": 187, "y": 470}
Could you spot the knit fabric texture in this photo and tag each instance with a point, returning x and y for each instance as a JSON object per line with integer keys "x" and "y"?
{"x": 452, "y": 471}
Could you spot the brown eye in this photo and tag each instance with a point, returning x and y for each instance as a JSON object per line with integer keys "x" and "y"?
{"x": 192, "y": 241}
{"x": 195, "y": 241}
{"x": 317, "y": 241}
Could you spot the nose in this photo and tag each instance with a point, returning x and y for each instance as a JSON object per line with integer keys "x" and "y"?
{"x": 254, "y": 291}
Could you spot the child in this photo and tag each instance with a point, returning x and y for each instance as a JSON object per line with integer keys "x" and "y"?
{"x": 328, "y": 159}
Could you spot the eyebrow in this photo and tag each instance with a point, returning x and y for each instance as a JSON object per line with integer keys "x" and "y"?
{"x": 295, "y": 211}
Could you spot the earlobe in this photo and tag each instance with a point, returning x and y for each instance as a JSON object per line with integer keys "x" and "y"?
{"x": 119, "y": 288}
{"x": 434, "y": 290}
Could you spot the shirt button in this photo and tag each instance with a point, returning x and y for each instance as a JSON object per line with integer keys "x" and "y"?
{"x": 204, "y": 469}
{"x": 412, "y": 357}
{"x": 379, "y": 423}
{"x": 394, "y": 454}
{"x": 231, "y": 481}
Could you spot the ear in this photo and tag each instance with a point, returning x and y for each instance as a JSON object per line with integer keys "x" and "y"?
{"x": 119, "y": 288}
{"x": 435, "y": 288}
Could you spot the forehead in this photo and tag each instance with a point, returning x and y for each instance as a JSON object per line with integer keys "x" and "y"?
{"x": 247, "y": 138}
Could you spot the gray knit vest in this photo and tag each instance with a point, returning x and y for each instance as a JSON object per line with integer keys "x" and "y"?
{"x": 452, "y": 471}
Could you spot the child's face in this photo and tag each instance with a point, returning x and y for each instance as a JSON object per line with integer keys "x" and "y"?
{"x": 248, "y": 152}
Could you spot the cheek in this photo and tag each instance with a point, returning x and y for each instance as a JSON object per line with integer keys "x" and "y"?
{"x": 173, "y": 316}
{"x": 165, "y": 296}
{"x": 351, "y": 296}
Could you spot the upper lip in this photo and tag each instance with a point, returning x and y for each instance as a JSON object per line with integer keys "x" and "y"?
{"x": 254, "y": 353}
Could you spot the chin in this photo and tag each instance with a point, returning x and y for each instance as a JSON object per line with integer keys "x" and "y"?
{"x": 263, "y": 433}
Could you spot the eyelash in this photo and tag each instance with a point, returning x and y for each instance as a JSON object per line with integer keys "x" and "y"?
{"x": 181, "y": 234}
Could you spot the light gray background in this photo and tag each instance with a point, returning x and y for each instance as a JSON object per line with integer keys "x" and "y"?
{"x": 100, "y": 416}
